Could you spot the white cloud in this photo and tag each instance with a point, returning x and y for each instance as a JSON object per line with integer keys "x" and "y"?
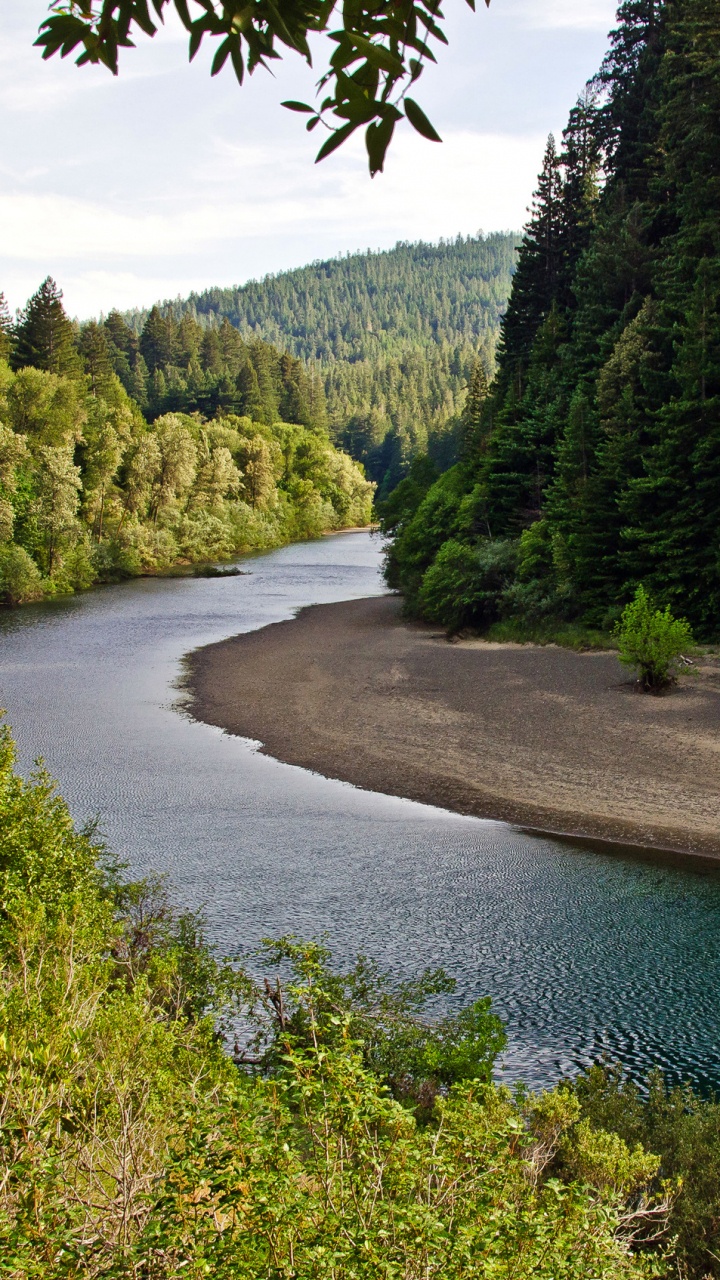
{"x": 165, "y": 179}
{"x": 568, "y": 15}
{"x": 105, "y": 255}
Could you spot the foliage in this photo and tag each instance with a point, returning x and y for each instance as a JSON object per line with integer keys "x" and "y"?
{"x": 393, "y": 339}
{"x": 43, "y": 336}
{"x": 415, "y": 1057}
{"x": 464, "y": 585}
{"x": 20, "y": 579}
{"x": 567, "y": 635}
{"x": 379, "y": 52}
{"x": 651, "y": 640}
{"x": 684, "y": 1129}
{"x": 89, "y": 491}
{"x": 602, "y": 428}
{"x": 132, "y": 1145}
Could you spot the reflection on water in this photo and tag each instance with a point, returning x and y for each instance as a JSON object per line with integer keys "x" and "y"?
{"x": 583, "y": 952}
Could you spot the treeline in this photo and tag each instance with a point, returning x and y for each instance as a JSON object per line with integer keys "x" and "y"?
{"x": 235, "y": 457}
{"x": 345, "y": 1136}
{"x": 592, "y": 466}
{"x": 389, "y": 337}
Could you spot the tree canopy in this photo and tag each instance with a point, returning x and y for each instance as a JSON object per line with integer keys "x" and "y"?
{"x": 235, "y": 455}
{"x": 598, "y": 453}
{"x": 381, "y": 48}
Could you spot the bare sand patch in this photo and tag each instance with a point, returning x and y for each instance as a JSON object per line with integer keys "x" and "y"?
{"x": 537, "y": 736}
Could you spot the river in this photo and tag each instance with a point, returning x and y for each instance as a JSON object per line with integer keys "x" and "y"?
{"x": 583, "y": 952}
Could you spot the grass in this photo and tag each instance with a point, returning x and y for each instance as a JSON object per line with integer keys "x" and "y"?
{"x": 568, "y": 635}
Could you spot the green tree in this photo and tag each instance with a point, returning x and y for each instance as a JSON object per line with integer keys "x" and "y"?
{"x": 177, "y": 461}
{"x": 537, "y": 278}
{"x": 157, "y": 340}
{"x": 101, "y": 458}
{"x": 6, "y": 329}
{"x": 652, "y": 641}
{"x": 45, "y": 407}
{"x": 474, "y": 424}
{"x": 44, "y": 337}
{"x": 13, "y": 453}
{"x": 94, "y": 348}
{"x": 58, "y": 488}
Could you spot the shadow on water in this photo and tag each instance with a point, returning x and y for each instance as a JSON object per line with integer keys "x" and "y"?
{"x": 585, "y": 948}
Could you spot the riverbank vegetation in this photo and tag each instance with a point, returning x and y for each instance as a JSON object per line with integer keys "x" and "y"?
{"x": 590, "y": 466}
{"x": 345, "y": 1135}
{"x": 90, "y": 491}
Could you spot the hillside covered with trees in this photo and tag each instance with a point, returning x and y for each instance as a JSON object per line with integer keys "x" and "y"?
{"x": 391, "y": 339}
{"x": 89, "y": 491}
{"x": 592, "y": 465}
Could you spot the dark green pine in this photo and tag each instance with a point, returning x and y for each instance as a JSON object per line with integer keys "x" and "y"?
{"x": 44, "y": 336}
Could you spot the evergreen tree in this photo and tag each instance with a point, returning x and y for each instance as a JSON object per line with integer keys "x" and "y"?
{"x": 629, "y": 79}
{"x": 44, "y": 337}
{"x": 95, "y": 351}
{"x": 581, "y": 160}
{"x": 606, "y": 433}
{"x": 536, "y": 281}
{"x": 250, "y": 402}
{"x": 157, "y": 345}
{"x": 120, "y": 335}
{"x": 6, "y": 329}
{"x": 474, "y": 422}
{"x": 138, "y": 383}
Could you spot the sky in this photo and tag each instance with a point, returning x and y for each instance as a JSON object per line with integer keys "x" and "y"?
{"x": 164, "y": 180}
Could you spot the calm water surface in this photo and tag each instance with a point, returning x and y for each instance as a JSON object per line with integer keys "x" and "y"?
{"x": 582, "y": 952}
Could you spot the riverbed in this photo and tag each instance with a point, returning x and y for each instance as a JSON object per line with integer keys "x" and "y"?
{"x": 583, "y": 952}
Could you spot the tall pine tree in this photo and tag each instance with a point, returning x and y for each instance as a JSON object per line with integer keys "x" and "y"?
{"x": 6, "y": 329}
{"x": 44, "y": 336}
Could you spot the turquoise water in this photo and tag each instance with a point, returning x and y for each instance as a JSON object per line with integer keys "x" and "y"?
{"x": 583, "y": 952}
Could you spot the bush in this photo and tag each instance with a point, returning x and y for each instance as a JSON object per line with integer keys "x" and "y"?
{"x": 464, "y": 585}
{"x": 132, "y": 1146}
{"x": 651, "y": 640}
{"x": 78, "y": 570}
{"x": 684, "y": 1130}
{"x": 20, "y": 579}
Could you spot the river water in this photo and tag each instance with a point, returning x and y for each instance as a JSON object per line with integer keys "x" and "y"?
{"x": 583, "y": 952}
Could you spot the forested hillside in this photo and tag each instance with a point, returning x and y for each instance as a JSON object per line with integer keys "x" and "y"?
{"x": 390, "y": 337}
{"x": 89, "y": 491}
{"x": 593, "y": 464}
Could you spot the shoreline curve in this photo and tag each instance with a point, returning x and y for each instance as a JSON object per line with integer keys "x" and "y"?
{"x": 543, "y": 738}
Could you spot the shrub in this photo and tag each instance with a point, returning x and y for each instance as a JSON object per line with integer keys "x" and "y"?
{"x": 78, "y": 570}
{"x": 132, "y": 1146}
{"x": 464, "y": 585}
{"x": 651, "y": 640}
{"x": 20, "y": 579}
{"x": 683, "y": 1128}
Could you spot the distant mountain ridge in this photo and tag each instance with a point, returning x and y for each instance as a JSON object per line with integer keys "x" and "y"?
{"x": 340, "y": 307}
{"x": 393, "y": 333}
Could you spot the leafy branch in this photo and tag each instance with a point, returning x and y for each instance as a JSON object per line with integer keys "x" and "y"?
{"x": 382, "y": 47}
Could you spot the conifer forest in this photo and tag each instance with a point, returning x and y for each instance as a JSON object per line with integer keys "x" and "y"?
{"x": 591, "y": 464}
{"x": 391, "y": 339}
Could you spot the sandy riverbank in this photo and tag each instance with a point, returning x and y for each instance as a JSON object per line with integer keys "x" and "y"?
{"x": 541, "y": 737}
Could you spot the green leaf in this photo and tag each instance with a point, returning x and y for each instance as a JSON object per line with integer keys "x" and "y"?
{"x": 419, "y": 121}
{"x": 377, "y": 141}
{"x": 297, "y": 106}
{"x": 221, "y": 56}
{"x": 336, "y": 139}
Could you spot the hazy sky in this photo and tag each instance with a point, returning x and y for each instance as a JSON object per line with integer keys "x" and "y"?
{"x": 165, "y": 180}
